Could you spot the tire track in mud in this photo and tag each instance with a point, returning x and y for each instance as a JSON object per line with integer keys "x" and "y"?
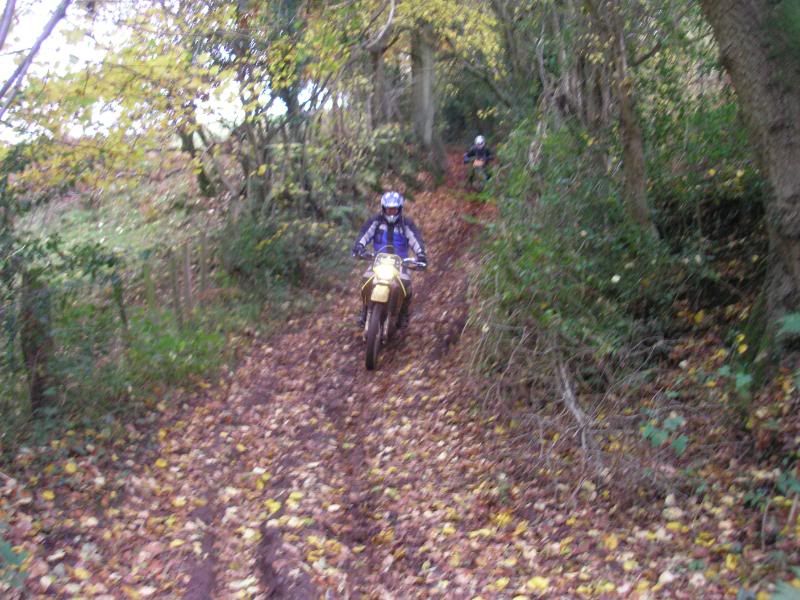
{"x": 301, "y": 475}
{"x": 326, "y": 414}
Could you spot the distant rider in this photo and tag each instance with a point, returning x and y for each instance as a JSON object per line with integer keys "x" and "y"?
{"x": 479, "y": 150}
{"x": 391, "y": 228}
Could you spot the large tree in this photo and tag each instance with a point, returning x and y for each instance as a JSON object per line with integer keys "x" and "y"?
{"x": 759, "y": 48}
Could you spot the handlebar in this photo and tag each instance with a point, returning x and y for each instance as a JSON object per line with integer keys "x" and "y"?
{"x": 412, "y": 263}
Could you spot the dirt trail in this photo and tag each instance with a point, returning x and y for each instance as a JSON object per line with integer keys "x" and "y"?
{"x": 302, "y": 475}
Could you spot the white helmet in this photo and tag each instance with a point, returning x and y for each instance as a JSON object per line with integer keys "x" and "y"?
{"x": 480, "y": 141}
{"x": 391, "y": 200}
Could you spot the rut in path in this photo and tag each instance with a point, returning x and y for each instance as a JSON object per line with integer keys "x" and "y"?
{"x": 347, "y": 449}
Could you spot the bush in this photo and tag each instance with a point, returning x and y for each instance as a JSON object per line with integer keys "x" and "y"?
{"x": 264, "y": 254}
{"x": 563, "y": 261}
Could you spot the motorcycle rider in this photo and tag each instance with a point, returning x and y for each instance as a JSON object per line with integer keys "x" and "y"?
{"x": 391, "y": 228}
{"x": 479, "y": 151}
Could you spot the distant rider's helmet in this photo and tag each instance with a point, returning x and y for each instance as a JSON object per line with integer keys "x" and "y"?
{"x": 480, "y": 141}
{"x": 391, "y": 206}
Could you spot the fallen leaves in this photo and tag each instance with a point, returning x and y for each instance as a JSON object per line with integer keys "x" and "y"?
{"x": 395, "y": 483}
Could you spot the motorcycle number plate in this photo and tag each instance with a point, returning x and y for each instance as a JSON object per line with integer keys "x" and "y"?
{"x": 380, "y": 293}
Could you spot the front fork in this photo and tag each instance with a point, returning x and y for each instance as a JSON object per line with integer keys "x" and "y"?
{"x": 372, "y": 306}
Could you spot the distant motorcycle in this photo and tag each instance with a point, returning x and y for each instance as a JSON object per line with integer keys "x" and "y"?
{"x": 384, "y": 294}
{"x": 478, "y": 176}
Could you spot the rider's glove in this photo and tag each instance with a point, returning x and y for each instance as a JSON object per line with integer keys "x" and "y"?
{"x": 358, "y": 249}
{"x": 466, "y": 159}
{"x": 422, "y": 261}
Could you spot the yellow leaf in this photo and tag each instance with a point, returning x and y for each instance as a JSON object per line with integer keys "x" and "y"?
{"x": 742, "y": 348}
{"x": 611, "y": 541}
{"x": 538, "y": 584}
{"x": 48, "y": 495}
{"x": 483, "y": 532}
{"x": 643, "y": 586}
{"x": 70, "y": 468}
{"x": 629, "y": 565}
{"x": 501, "y": 583}
{"x": 261, "y": 170}
{"x": 521, "y": 528}
{"x": 502, "y": 519}
{"x": 510, "y": 562}
{"x": 731, "y": 562}
{"x": 272, "y": 506}
{"x": 699, "y": 316}
{"x": 241, "y": 447}
{"x": 179, "y": 501}
{"x": 712, "y": 172}
{"x": 295, "y": 496}
{"x": 161, "y": 463}
{"x": 81, "y": 573}
{"x": 176, "y": 543}
{"x": 448, "y": 529}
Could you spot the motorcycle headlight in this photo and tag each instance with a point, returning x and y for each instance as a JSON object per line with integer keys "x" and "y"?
{"x": 385, "y": 272}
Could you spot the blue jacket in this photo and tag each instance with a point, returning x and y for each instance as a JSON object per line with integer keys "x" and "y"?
{"x": 475, "y": 152}
{"x": 404, "y": 235}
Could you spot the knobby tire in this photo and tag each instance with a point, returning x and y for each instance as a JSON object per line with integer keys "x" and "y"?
{"x": 374, "y": 336}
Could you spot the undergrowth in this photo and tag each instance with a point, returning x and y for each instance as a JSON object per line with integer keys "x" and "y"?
{"x": 580, "y": 316}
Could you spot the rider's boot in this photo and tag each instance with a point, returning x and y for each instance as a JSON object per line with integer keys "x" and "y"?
{"x": 362, "y": 317}
{"x": 402, "y": 317}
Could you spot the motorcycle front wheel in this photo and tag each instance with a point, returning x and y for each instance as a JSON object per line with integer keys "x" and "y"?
{"x": 478, "y": 180}
{"x": 374, "y": 335}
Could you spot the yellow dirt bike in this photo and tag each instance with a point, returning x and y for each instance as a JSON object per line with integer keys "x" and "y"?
{"x": 478, "y": 176}
{"x": 384, "y": 294}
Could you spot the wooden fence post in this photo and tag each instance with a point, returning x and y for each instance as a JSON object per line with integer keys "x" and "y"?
{"x": 176, "y": 295}
{"x": 187, "y": 277}
{"x": 203, "y": 264}
{"x": 149, "y": 285}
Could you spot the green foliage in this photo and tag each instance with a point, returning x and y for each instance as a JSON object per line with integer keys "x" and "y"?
{"x": 11, "y": 562}
{"x": 785, "y": 591}
{"x": 659, "y": 433}
{"x": 704, "y": 184}
{"x": 264, "y": 254}
{"x": 789, "y": 325}
{"x": 564, "y": 261}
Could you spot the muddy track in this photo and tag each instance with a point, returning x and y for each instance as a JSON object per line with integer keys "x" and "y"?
{"x": 326, "y": 415}
{"x": 301, "y": 475}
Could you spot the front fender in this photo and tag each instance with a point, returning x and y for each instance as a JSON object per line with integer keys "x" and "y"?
{"x": 380, "y": 293}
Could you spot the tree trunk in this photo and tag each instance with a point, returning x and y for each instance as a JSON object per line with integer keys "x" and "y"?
{"x": 764, "y": 65}
{"x": 207, "y": 187}
{"x": 423, "y": 75}
{"x": 380, "y": 106}
{"x": 610, "y": 23}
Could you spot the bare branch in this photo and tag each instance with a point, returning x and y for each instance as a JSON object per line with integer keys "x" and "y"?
{"x": 12, "y": 85}
{"x": 375, "y": 43}
{"x": 5, "y": 24}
